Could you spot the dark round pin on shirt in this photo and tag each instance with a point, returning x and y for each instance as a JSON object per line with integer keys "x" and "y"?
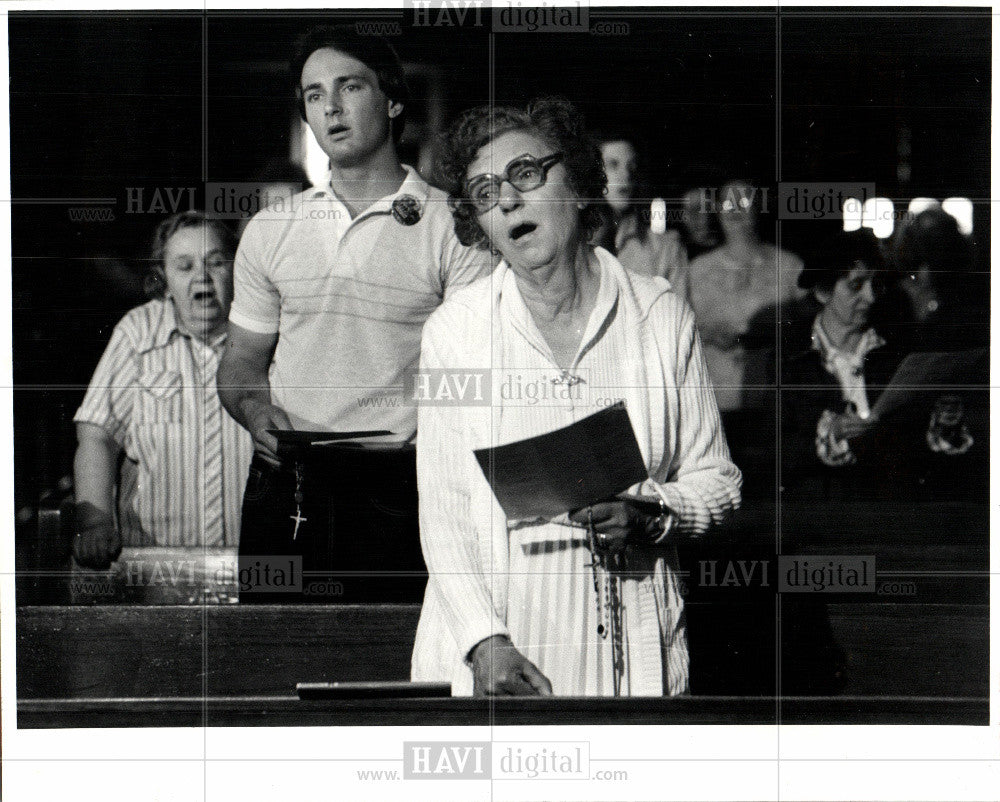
{"x": 406, "y": 209}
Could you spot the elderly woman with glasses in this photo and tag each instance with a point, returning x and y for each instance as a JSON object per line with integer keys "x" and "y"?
{"x": 543, "y": 606}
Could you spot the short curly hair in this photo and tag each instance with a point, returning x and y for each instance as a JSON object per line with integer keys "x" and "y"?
{"x": 155, "y": 282}
{"x": 555, "y": 120}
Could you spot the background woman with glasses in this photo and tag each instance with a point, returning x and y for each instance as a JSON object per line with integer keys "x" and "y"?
{"x": 519, "y": 607}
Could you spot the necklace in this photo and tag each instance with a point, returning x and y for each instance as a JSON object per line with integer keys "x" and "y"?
{"x": 299, "y": 518}
{"x": 607, "y": 595}
{"x": 567, "y": 378}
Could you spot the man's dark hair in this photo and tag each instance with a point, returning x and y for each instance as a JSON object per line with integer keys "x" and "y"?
{"x": 373, "y": 51}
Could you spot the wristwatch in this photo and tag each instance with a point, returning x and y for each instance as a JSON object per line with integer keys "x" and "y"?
{"x": 660, "y": 520}
{"x": 664, "y": 519}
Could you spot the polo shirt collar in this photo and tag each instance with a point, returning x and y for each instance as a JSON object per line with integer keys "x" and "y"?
{"x": 412, "y": 185}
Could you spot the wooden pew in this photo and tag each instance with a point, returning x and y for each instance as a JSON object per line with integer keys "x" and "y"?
{"x": 925, "y": 653}
{"x": 925, "y": 626}
{"x": 226, "y": 650}
{"x": 73, "y": 663}
{"x": 288, "y": 711}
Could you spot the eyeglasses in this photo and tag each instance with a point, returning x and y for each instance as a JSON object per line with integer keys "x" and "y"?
{"x": 524, "y": 173}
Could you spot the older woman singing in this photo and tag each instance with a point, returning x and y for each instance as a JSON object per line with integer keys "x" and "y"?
{"x": 542, "y": 607}
{"x": 153, "y": 401}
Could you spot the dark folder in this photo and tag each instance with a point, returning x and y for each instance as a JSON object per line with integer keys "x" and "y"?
{"x": 293, "y": 437}
{"x": 291, "y": 441}
{"x": 589, "y": 461}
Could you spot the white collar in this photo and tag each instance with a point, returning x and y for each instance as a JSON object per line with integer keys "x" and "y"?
{"x": 822, "y": 344}
{"x": 413, "y": 185}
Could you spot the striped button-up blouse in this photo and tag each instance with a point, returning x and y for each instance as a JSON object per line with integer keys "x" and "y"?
{"x": 186, "y": 460}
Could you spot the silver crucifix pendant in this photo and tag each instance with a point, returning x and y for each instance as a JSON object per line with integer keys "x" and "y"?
{"x": 298, "y": 517}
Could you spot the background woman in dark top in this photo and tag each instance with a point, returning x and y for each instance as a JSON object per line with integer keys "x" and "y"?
{"x": 833, "y": 377}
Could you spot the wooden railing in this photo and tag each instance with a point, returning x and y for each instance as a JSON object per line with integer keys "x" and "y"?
{"x": 917, "y": 654}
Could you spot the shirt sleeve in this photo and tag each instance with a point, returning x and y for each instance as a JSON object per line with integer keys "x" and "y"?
{"x": 702, "y": 485}
{"x": 448, "y": 533}
{"x": 461, "y": 265}
{"x": 111, "y": 393}
{"x": 256, "y": 301}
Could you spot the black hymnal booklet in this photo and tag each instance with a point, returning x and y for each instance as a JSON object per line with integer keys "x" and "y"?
{"x": 589, "y": 461}
{"x": 291, "y": 441}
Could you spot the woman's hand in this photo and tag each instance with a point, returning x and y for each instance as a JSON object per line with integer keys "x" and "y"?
{"x": 619, "y": 523}
{"x": 947, "y": 432}
{"x": 97, "y": 543}
{"x": 498, "y": 669}
{"x": 847, "y": 426}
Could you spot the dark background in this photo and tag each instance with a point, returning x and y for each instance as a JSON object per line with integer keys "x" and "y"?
{"x": 101, "y": 103}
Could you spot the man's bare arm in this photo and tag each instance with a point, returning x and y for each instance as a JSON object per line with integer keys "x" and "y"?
{"x": 245, "y": 390}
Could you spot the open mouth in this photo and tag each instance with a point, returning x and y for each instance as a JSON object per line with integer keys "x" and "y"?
{"x": 521, "y": 229}
{"x": 204, "y": 296}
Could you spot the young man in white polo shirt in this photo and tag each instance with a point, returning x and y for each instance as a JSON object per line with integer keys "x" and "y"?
{"x": 331, "y": 296}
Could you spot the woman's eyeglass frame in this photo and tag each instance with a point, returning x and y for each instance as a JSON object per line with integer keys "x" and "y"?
{"x": 542, "y": 166}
